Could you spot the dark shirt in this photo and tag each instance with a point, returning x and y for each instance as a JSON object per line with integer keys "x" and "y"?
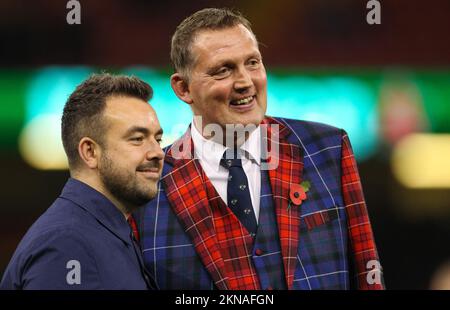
{"x": 81, "y": 242}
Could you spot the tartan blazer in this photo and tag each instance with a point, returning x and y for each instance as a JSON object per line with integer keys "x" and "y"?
{"x": 326, "y": 242}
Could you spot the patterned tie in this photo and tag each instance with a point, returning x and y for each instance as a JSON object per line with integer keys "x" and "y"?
{"x": 238, "y": 192}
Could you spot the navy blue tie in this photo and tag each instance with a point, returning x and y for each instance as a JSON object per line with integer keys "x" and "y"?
{"x": 238, "y": 192}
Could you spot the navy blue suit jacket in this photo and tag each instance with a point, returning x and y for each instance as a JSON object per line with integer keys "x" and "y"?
{"x": 81, "y": 242}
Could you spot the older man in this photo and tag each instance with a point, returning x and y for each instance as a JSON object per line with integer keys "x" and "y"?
{"x": 84, "y": 241}
{"x": 248, "y": 201}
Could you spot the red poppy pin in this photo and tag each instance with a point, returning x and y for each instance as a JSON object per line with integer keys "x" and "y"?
{"x": 297, "y": 193}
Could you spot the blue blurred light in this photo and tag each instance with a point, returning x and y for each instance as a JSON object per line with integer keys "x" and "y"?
{"x": 50, "y": 87}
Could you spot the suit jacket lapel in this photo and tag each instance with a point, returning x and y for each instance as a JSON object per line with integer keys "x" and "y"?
{"x": 288, "y": 170}
{"x": 188, "y": 198}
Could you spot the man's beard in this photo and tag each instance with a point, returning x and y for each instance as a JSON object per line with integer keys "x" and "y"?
{"x": 124, "y": 185}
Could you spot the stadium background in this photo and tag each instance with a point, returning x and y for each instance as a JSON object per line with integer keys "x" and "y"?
{"x": 388, "y": 85}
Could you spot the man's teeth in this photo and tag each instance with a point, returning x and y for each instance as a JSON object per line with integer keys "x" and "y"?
{"x": 243, "y": 101}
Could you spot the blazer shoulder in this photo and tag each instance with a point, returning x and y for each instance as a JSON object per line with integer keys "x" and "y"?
{"x": 62, "y": 218}
{"x": 317, "y": 126}
{"x": 63, "y": 213}
{"x": 310, "y": 131}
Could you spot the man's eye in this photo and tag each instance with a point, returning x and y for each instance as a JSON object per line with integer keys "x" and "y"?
{"x": 253, "y": 62}
{"x": 222, "y": 72}
{"x": 159, "y": 141}
{"x": 138, "y": 139}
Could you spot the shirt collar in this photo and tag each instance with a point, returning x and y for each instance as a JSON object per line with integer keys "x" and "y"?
{"x": 207, "y": 151}
{"x": 253, "y": 145}
{"x": 98, "y": 206}
{"x": 211, "y": 152}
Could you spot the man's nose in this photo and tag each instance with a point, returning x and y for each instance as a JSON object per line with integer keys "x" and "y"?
{"x": 243, "y": 80}
{"x": 155, "y": 152}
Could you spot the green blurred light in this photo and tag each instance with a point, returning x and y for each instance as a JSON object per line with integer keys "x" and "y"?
{"x": 13, "y": 86}
{"x": 341, "y": 101}
{"x": 435, "y": 91}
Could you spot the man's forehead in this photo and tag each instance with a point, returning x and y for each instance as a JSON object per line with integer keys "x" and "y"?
{"x": 123, "y": 110}
{"x": 212, "y": 43}
{"x": 216, "y": 38}
{"x": 126, "y": 105}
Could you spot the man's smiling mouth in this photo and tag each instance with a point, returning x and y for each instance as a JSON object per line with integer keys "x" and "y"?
{"x": 242, "y": 101}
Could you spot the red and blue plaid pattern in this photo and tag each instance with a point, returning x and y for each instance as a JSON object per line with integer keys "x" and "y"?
{"x": 234, "y": 241}
{"x": 325, "y": 242}
{"x": 361, "y": 238}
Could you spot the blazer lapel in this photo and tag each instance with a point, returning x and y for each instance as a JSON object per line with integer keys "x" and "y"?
{"x": 288, "y": 168}
{"x": 187, "y": 195}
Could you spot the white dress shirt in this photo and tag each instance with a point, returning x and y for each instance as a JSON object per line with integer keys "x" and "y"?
{"x": 209, "y": 153}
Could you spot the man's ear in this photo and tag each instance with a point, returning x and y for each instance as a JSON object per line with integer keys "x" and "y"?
{"x": 89, "y": 152}
{"x": 181, "y": 88}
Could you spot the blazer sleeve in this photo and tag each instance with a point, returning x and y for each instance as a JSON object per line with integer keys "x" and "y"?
{"x": 365, "y": 268}
{"x": 61, "y": 262}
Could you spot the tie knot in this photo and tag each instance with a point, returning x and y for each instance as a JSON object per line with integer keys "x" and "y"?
{"x": 231, "y": 158}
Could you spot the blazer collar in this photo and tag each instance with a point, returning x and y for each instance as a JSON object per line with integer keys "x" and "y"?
{"x": 187, "y": 195}
{"x": 96, "y": 204}
{"x": 288, "y": 163}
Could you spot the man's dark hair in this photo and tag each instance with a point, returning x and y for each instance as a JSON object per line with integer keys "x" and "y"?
{"x": 206, "y": 19}
{"x": 82, "y": 115}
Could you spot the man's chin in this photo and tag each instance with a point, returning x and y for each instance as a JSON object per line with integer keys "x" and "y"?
{"x": 149, "y": 194}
